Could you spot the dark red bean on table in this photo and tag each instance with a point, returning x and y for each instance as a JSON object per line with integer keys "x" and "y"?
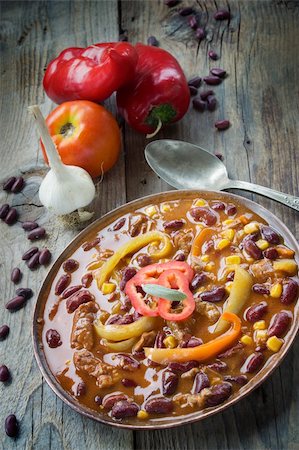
{"x": 254, "y": 362}
{"x": 174, "y": 224}
{"x": 199, "y": 104}
{"x": 16, "y": 303}
{"x": 197, "y": 281}
{"x": 16, "y": 275}
{"x": 33, "y": 262}
{"x": 205, "y": 94}
{"x": 127, "y": 382}
{"x": 4, "y": 211}
{"x": 218, "y": 72}
{"x": 86, "y": 280}
{"x": 8, "y": 184}
{"x": 119, "y": 224}
{"x": 159, "y": 405}
{"x": 211, "y": 103}
{"x": 192, "y": 24}
{"x": 151, "y": 40}
{"x": 77, "y": 299}
{"x": 110, "y": 399}
{"x": 29, "y": 253}
{"x": 256, "y": 312}
{"x": 81, "y": 389}
{"x": 186, "y": 11}
{"x": 62, "y": 283}
{"x": 219, "y": 156}
{"x": 29, "y": 226}
{"x": 18, "y": 185}
{"x": 123, "y": 409}
{"x": 193, "y": 90}
{"x": 195, "y": 81}
{"x": 201, "y": 381}
{"x": 200, "y": 33}
{"x": 252, "y": 249}
{"x": 123, "y": 37}
{"x": 240, "y": 379}
{"x": 44, "y": 256}
{"x": 213, "y": 55}
{"x": 11, "y": 216}
{"x": 127, "y": 274}
{"x": 53, "y": 338}
{"x": 205, "y": 215}
{"x": 212, "y": 80}
{"x": 70, "y": 265}
{"x": 171, "y": 3}
{"x": 279, "y": 324}
{"x": 270, "y": 253}
{"x": 11, "y": 426}
{"x": 27, "y": 293}
{"x": 222, "y": 125}
{"x": 143, "y": 260}
{"x": 4, "y": 332}
{"x": 289, "y": 292}
{"x": 270, "y": 235}
{"x": 222, "y": 14}
{"x": 218, "y": 394}
{"x": 214, "y": 295}
{"x": 70, "y": 291}
{"x": 4, "y": 373}
{"x": 37, "y": 233}
{"x": 170, "y": 382}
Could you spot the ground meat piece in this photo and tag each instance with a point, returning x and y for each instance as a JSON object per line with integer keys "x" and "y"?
{"x": 262, "y": 270}
{"x": 105, "y": 374}
{"x": 191, "y": 373}
{"x": 183, "y": 240}
{"x": 147, "y": 339}
{"x": 180, "y": 329}
{"x": 192, "y": 400}
{"x": 82, "y": 331}
{"x": 138, "y": 224}
{"x": 207, "y": 309}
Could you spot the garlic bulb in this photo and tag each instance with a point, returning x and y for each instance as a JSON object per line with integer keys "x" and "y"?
{"x": 65, "y": 188}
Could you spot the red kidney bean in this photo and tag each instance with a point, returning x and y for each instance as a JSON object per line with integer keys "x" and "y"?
{"x": 198, "y": 104}
{"x": 8, "y": 184}
{"x": 251, "y": 237}
{"x": 170, "y": 382}
{"x": 211, "y": 103}
{"x": 180, "y": 257}
{"x": 219, "y": 393}
{"x": 218, "y": 206}
{"x": 182, "y": 367}
{"x": 37, "y": 233}
{"x": 137, "y": 315}
{"x": 127, "y": 305}
{"x": 159, "y": 405}
{"x": 86, "y": 280}
{"x": 256, "y": 312}
{"x": 127, "y": 274}
{"x": 171, "y": 3}
{"x": 252, "y": 249}
{"x": 205, "y": 94}
{"x": 120, "y": 320}
{"x": 213, "y": 55}
{"x": 270, "y": 253}
{"x": 270, "y": 235}
{"x": 53, "y": 338}
{"x": 279, "y": 325}
{"x": 240, "y": 379}
{"x": 186, "y": 11}
{"x": 127, "y": 382}
{"x": 70, "y": 265}
{"x": 110, "y": 399}
{"x": 231, "y": 209}
{"x": 18, "y": 185}
{"x": 29, "y": 253}
{"x": 197, "y": 281}
{"x": 200, "y": 33}
{"x": 193, "y": 342}
{"x": 29, "y": 226}
{"x": 260, "y": 289}
{"x": 222, "y": 125}
{"x": 16, "y": 303}
{"x": 4, "y": 332}
{"x": 119, "y": 224}
{"x": 218, "y": 366}
{"x": 212, "y": 80}
{"x": 214, "y": 295}
{"x": 4, "y": 210}
{"x": 44, "y": 256}
{"x": 81, "y": 389}
{"x": 127, "y": 362}
{"x": 151, "y": 40}
{"x": 11, "y": 216}
{"x": 231, "y": 351}
{"x": 222, "y": 14}
{"x": 254, "y": 362}
{"x": 192, "y": 90}
{"x": 289, "y": 292}
{"x": 16, "y": 275}
{"x": 27, "y": 293}
{"x": 11, "y": 426}
{"x": 33, "y": 262}
{"x": 89, "y": 245}
{"x": 174, "y": 224}
{"x": 201, "y": 214}
{"x": 218, "y": 72}
{"x": 98, "y": 400}
{"x": 159, "y": 339}
{"x": 70, "y": 291}
{"x": 77, "y": 299}
{"x": 192, "y": 24}
{"x": 62, "y": 283}
{"x": 143, "y": 260}
{"x": 230, "y": 276}
{"x": 4, "y": 373}
{"x": 201, "y": 381}
{"x": 123, "y": 409}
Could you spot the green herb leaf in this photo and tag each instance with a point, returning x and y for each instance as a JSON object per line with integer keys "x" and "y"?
{"x": 160, "y": 291}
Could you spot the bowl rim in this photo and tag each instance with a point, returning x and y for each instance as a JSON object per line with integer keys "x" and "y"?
{"x": 174, "y": 421}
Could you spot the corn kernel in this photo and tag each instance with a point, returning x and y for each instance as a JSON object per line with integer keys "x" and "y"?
{"x": 262, "y": 244}
{"x": 228, "y": 221}
{"x": 210, "y": 267}
{"x": 116, "y": 308}
{"x": 143, "y": 415}
{"x": 223, "y": 244}
{"x": 233, "y": 259}
{"x": 228, "y": 286}
{"x": 108, "y": 288}
{"x": 260, "y": 336}
{"x": 165, "y": 207}
{"x": 260, "y": 325}
{"x": 200, "y": 202}
{"x": 151, "y": 211}
{"x": 246, "y": 340}
{"x": 276, "y": 290}
{"x": 228, "y": 234}
{"x": 274, "y": 344}
{"x": 251, "y": 227}
{"x": 205, "y": 258}
{"x": 170, "y": 342}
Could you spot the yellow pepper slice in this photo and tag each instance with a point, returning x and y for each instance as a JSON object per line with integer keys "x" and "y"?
{"x": 133, "y": 246}
{"x": 121, "y": 346}
{"x": 116, "y": 332}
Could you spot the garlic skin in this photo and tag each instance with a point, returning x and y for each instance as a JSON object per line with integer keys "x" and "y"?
{"x": 65, "y": 188}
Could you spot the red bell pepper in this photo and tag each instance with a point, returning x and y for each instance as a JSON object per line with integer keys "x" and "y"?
{"x": 91, "y": 73}
{"x": 174, "y": 279}
{"x": 158, "y": 93}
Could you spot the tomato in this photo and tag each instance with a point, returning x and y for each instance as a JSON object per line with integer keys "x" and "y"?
{"x": 86, "y": 135}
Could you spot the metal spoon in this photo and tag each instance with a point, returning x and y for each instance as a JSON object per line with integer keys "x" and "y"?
{"x": 188, "y": 166}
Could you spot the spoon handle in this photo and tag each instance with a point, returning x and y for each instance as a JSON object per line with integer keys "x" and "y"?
{"x": 286, "y": 199}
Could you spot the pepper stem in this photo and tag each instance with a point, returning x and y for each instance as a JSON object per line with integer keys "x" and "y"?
{"x": 159, "y": 126}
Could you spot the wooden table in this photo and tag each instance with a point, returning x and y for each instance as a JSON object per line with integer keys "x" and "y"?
{"x": 259, "y": 50}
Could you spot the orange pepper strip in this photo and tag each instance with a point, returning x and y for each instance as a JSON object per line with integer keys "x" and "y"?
{"x": 203, "y": 236}
{"x": 202, "y": 352}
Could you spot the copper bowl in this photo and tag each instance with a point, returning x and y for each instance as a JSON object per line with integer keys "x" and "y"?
{"x": 168, "y": 422}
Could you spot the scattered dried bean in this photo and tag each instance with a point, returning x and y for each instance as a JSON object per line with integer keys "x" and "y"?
{"x": 195, "y": 81}
{"x": 8, "y": 184}
{"x": 222, "y": 14}
{"x": 44, "y": 256}
{"x": 11, "y": 216}
{"x": 16, "y": 275}
{"x": 218, "y": 72}
{"x": 192, "y": 23}
{"x": 211, "y": 103}
{"x": 213, "y": 55}
{"x": 151, "y": 40}
{"x": 29, "y": 253}
{"x": 218, "y": 206}
{"x": 37, "y": 233}
{"x": 222, "y": 125}
{"x": 33, "y": 262}
{"x": 200, "y": 33}
{"x": 4, "y": 332}
{"x": 198, "y": 104}
{"x": 4, "y": 211}
{"x": 171, "y": 3}
{"x": 186, "y": 11}
{"x": 212, "y": 80}
{"x": 205, "y": 94}
{"x": 16, "y": 303}
{"x": 27, "y": 293}
{"x": 11, "y": 425}
{"x": 29, "y": 226}
{"x": 18, "y": 185}
{"x": 193, "y": 90}
{"x": 4, "y": 373}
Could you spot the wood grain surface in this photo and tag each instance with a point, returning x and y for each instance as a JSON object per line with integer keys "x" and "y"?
{"x": 259, "y": 49}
